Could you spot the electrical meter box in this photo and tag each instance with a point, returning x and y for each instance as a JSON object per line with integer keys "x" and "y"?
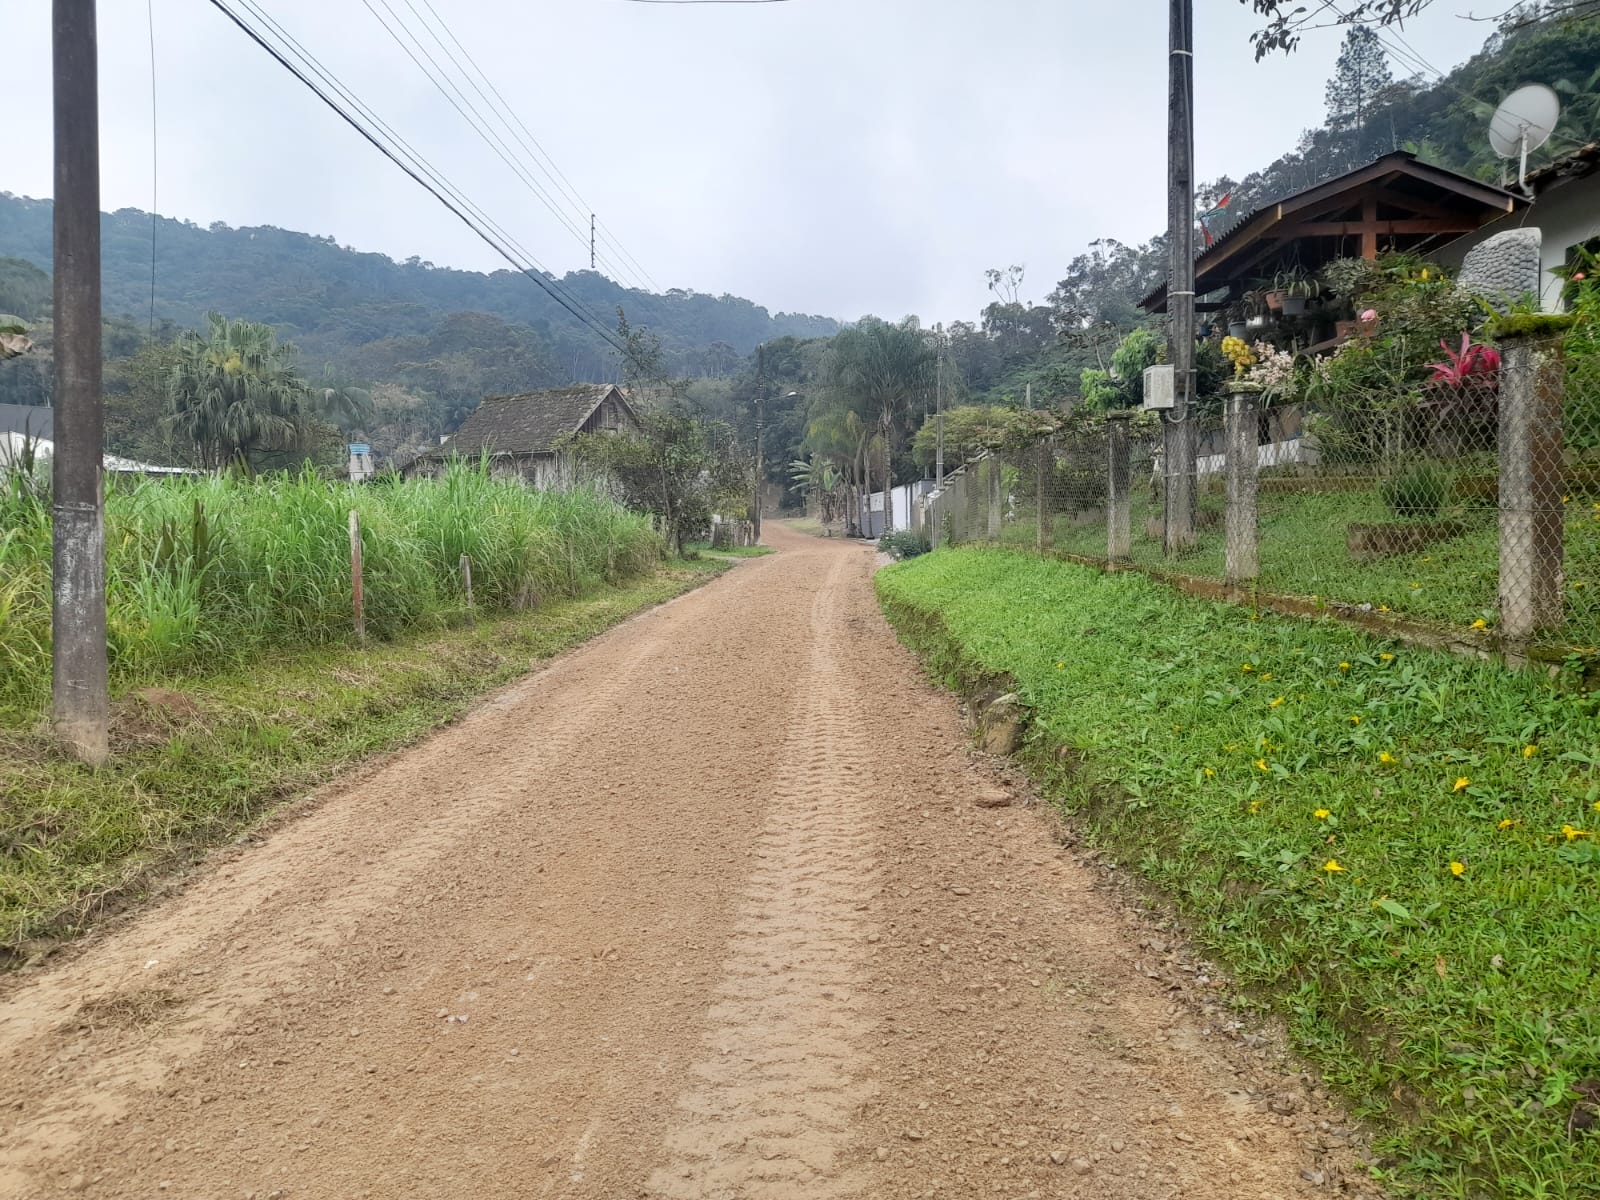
{"x": 1160, "y": 386}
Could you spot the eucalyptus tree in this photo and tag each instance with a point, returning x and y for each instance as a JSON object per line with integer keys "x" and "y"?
{"x": 234, "y": 390}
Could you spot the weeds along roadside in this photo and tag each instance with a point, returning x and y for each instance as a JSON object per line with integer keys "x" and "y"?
{"x": 216, "y": 571}
{"x": 219, "y": 750}
{"x": 1393, "y": 848}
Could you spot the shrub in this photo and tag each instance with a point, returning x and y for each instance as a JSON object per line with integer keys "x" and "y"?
{"x": 1421, "y": 492}
{"x": 904, "y": 544}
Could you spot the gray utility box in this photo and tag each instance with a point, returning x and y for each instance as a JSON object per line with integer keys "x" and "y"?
{"x": 1160, "y": 386}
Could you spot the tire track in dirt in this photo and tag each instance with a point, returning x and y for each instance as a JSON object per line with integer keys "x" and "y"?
{"x": 784, "y": 1067}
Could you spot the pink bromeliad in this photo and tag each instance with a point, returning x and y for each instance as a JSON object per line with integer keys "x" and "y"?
{"x": 1473, "y": 360}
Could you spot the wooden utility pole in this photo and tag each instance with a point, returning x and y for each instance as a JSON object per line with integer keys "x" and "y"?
{"x": 761, "y": 383}
{"x": 1181, "y": 439}
{"x": 80, "y": 703}
{"x": 938, "y": 408}
{"x": 591, "y": 241}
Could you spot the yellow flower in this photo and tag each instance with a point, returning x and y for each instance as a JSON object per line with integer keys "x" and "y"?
{"x": 1424, "y": 274}
{"x": 1415, "y": 586}
{"x": 1461, "y": 784}
{"x": 1261, "y": 765}
{"x": 1322, "y": 814}
{"x": 1387, "y": 759}
{"x": 1383, "y": 608}
{"x": 1266, "y": 677}
{"x": 1571, "y": 832}
{"x": 1596, "y": 806}
{"x": 1457, "y": 868}
{"x": 1061, "y": 666}
{"x": 1505, "y": 823}
{"x": 1275, "y": 703}
{"x": 1344, "y": 666}
{"x": 1230, "y": 747}
{"x": 1385, "y": 657}
{"x": 1332, "y": 866}
{"x": 1247, "y": 668}
{"x": 1480, "y": 623}
{"x": 1210, "y": 773}
{"x": 1529, "y": 750}
{"x": 1255, "y": 806}
{"x": 1355, "y": 718}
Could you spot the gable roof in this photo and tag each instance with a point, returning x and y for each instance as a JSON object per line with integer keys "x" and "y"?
{"x": 1422, "y": 201}
{"x": 530, "y": 422}
{"x": 37, "y": 420}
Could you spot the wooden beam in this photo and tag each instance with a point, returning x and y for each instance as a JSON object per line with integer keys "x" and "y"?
{"x": 1369, "y": 230}
{"x": 1352, "y": 228}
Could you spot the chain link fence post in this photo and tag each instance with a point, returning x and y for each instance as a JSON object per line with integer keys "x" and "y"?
{"x": 1242, "y": 556}
{"x": 993, "y": 465}
{"x": 1531, "y": 481}
{"x": 1119, "y": 491}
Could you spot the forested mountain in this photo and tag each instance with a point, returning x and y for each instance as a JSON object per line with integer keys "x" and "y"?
{"x": 336, "y": 303}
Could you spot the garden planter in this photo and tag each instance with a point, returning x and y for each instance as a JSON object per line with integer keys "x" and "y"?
{"x": 1238, "y": 329}
{"x": 1274, "y": 301}
{"x": 1344, "y": 330}
{"x": 1366, "y": 542}
{"x": 1294, "y": 306}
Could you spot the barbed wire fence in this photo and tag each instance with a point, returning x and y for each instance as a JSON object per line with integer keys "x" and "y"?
{"x": 1471, "y": 505}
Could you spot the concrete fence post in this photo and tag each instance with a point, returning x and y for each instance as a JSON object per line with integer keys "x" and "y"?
{"x": 1119, "y": 491}
{"x": 1044, "y": 477}
{"x": 1242, "y": 562}
{"x": 995, "y": 497}
{"x": 1531, "y": 480}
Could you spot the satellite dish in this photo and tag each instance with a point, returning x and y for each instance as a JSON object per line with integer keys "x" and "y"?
{"x": 1523, "y": 122}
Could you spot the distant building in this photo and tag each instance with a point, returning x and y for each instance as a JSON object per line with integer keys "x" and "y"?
{"x": 520, "y": 434}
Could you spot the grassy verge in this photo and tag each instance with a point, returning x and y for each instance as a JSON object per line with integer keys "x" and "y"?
{"x": 215, "y": 752}
{"x": 1391, "y": 847}
{"x": 731, "y": 552}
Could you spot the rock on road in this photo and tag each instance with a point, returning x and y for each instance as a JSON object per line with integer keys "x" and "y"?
{"x": 703, "y": 909}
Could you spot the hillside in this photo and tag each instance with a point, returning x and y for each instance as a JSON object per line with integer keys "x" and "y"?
{"x": 335, "y": 303}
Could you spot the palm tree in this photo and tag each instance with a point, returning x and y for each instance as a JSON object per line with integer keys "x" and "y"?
{"x": 233, "y": 390}
{"x": 886, "y": 370}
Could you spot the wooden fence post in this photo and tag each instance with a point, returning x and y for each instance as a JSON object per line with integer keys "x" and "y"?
{"x": 1242, "y": 560}
{"x": 1119, "y": 493}
{"x": 358, "y": 601}
{"x": 466, "y": 585}
{"x": 1531, "y": 471}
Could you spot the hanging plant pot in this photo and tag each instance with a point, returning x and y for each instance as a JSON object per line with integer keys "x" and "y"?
{"x": 1294, "y": 306}
{"x": 1237, "y": 329}
{"x": 1275, "y": 301}
{"x": 1259, "y": 321}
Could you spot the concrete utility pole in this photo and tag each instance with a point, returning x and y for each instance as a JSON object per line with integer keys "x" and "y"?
{"x": 80, "y": 704}
{"x": 938, "y": 409}
{"x": 1180, "y": 434}
{"x": 761, "y": 385}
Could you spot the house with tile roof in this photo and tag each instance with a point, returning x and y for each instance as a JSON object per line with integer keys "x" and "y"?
{"x": 523, "y": 435}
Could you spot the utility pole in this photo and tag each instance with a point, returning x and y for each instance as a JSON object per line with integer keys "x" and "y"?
{"x": 80, "y": 705}
{"x": 761, "y": 384}
{"x": 1180, "y": 434}
{"x": 938, "y": 409}
{"x": 591, "y": 241}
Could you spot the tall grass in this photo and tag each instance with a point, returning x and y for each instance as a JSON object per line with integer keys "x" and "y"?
{"x": 222, "y": 570}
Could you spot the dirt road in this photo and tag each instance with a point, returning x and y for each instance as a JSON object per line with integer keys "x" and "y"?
{"x": 703, "y": 910}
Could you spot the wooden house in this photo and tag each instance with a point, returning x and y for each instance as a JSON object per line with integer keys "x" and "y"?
{"x": 522, "y": 434}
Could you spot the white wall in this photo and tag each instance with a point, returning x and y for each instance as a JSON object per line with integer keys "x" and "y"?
{"x": 1565, "y": 214}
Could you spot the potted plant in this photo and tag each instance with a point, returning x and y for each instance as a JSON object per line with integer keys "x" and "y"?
{"x": 1297, "y": 288}
{"x": 1236, "y": 318}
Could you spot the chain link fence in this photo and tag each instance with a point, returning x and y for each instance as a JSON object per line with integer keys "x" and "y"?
{"x": 1471, "y": 502}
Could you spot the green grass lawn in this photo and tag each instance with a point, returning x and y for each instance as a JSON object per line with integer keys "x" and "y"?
{"x": 72, "y": 839}
{"x": 1391, "y": 847}
{"x": 732, "y": 552}
{"x": 1304, "y": 553}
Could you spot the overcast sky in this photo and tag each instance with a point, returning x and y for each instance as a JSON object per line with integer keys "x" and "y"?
{"x": 830, "y": 156}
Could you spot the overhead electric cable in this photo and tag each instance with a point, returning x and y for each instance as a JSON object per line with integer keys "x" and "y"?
{"x": 416, "y": 170}
{"x": 536, "y": 149}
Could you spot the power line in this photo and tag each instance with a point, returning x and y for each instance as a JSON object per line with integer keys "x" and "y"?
{"x": 427, "y": 168}
{"x": 536, "y": 151}
{"x": 415, "y": 172}
{"x": 446, "y": 86}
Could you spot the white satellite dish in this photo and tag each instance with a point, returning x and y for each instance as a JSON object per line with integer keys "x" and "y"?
{"x": 1523, "y": 122}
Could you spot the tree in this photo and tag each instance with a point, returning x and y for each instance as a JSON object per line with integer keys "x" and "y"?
{"x": 1284, "y": 24}
{"x": 886, "y": 370}
{"x": 1359, "y": 78}
{"x": 678, "y": 466}
{"x": 234, "y": 391}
